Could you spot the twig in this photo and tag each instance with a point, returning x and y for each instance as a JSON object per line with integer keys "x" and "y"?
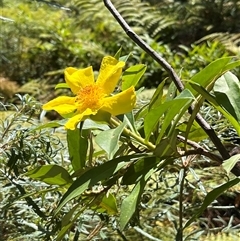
{"x": 173, "y": 75}
{"x": 146, "y": 234}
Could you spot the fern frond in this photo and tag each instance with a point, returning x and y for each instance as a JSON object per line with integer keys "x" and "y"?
{"x": 230, "y": 41}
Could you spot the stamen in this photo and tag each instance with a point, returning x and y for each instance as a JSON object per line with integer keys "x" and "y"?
{"x": 91, "y": 97}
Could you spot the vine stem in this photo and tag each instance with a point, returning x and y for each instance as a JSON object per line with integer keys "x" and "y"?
{"x": 177, "y": 81}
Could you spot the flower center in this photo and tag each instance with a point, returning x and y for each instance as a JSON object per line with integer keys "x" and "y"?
{"x": 91, "y": 97}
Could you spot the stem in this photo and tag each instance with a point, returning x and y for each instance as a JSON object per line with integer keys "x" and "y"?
{"x": 179, "y": 236}
{"x": 173, "y": 75}
{"x": 138, "y": 138}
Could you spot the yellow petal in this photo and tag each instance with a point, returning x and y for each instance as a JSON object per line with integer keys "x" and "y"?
{"x": 120, "y": 103}
{"x": 72, "y": 122}
{"x": 78, "y": 78}
{"x": 109, "y": 74}
{"x": 62, "y": 104}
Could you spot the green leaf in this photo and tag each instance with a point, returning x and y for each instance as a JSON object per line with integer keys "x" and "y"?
{"x": 196, "y": 132}
{"x": 156, "y": 99}
{"x": 167, "y": 146}
{"x": 172, "y": 92}
{"x": 172, "y": 108}
{"x": 230, "y": 163}
{"x": 64, "y": 230}
{"x": 93, "y": 176}
{"x": 209, "y": 74}
{"x": 132, "y": 75}
{"x": 211, "y": 196}
{"x": 77, "y": 141}
{"x": 108, "y": 204}
{"x": 125, "y": 57}
{"x": 50, "y": 124}
{"x": 50, "y": 174}
{"x": 227, "y": 92}
{"x": 93, "y": 125}
{"x": 136, "y": 170}
{"x": 108, "y": 140}
{"x": 118, "y": 54}
{"x": 62, "y": 86}
{"x": 213, "y": 101}
{"x": 130, "y": 203}
{"x": 130, "y": 121}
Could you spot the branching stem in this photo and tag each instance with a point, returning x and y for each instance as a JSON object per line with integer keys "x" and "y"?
{"x": 173, "y": 75}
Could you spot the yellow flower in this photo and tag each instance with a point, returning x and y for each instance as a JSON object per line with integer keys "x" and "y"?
{"x": 92, "y": 97}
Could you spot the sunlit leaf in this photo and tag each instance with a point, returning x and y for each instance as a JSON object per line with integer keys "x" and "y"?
{"x": 62, "y": 86}
{"x": 50, "y": 124}
{"x": 108, "y": 204}
{"x": 196, "y": 132}
{"x": 209, "y": 74}
{"x": 156, "y": 99}
{"x": 50, "y": 174}
{"x": 132, "y": 75}
{"x": 108, "y": 140}
{"x": 231, "y": 162}
{"x": 172, "y": 108}
{"x": 227, "y": 92}
{"x": 212, "y": 100}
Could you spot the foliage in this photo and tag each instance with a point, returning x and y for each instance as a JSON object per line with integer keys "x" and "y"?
{"x": 44, "y": 39}
{"x": 159, "y": 172}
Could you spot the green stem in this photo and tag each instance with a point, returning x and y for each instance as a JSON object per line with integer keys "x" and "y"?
{"x": 129, "y": 133}
{"x": 181, "y": 210}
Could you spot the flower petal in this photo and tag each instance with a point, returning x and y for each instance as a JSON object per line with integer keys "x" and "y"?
{"x": 78, "y": 78}
{"x": 72, "y": 122}
{"x": 109, "y": 74}
{"x": 120, "y": 103}
{"x": 62, "y": 104}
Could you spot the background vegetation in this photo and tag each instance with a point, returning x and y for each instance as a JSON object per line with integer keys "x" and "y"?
{"x": 41, "y": 38}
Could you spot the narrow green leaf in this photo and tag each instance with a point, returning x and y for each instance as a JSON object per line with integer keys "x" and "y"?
{"x": 118, "y": 54}
{"x": 184, "y": 95}
{"x": 77, "y": 147}
{"x": 93, "y": 176}
{"x": 50, "y": 124}
{"x": 93, "y": 125}
{"x": 108, "y": 140}
{"x": 230, "y": 163}
{"x": 156, "y": 99}
{"x": 172, "y": 92}
{"x": 50, "y": 174}
{"x": 209, "y": 74}
{"x": 62, "y": 86}
{"x": 232, "y": 65}
{"x": 125, "y": 57}
{"x": 213, "y": 101}
{"x": 196, "y": 133}
{"x": 64, "y": 230}
{"x": 227, "y": 92}
{"x": 211, "y": 196}
{"x": 167, "y": 146}
{"x": 68, "y": 216}
{"x": 108, "y": 204}
{"x": 130, "y": 203}
{"x": 138, "y": 169}
{"x": 171, "y": 108}
{"x": 130, "y": 121}
{"x": 132, "y": 75}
